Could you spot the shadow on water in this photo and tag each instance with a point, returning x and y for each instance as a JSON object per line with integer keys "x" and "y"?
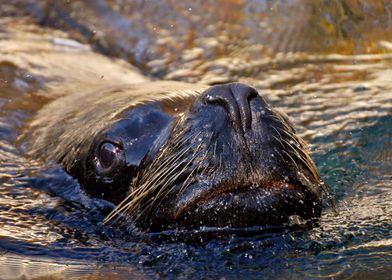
{"x": 326, "y": 63}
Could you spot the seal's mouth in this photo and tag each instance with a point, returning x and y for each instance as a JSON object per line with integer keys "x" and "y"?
{"x": 269, "y": 202}
{"x": 202, "y": 193}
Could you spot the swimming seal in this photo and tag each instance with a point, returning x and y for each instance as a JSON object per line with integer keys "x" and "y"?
{"x": 176, "y": 155}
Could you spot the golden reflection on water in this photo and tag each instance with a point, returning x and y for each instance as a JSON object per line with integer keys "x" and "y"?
{"x": 326, "y": 63}
{"x": 17, "y": 267}
{"x": 198, "y": 41}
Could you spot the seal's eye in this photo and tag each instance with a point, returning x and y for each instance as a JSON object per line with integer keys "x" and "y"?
{"x": 108, "y": 154}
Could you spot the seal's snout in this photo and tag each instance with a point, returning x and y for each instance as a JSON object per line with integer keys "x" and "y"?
{"x": 235, "y": 98}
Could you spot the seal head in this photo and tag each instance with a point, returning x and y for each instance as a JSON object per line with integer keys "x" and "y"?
{"x": 229, "y": 159}
{"x": 174, "y": 155}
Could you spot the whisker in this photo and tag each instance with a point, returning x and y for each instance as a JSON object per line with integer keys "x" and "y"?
{"x": 152, "y": 182}
{"x": 296, "y": 165}
{"x": 168, "y": 182}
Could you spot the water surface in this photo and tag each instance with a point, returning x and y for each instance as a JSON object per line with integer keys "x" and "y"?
{"x": 325, "y": 63}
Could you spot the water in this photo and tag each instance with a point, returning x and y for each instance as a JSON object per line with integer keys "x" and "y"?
{"x": 325, "y": 63}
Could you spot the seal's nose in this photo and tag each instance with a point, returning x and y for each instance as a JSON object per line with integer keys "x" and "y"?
{"x": 235, "y": 98}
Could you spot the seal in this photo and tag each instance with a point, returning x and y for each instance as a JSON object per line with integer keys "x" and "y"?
{"x": 176, "y": 155}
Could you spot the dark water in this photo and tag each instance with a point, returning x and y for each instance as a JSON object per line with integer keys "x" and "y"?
{"x": 328, "y": 64}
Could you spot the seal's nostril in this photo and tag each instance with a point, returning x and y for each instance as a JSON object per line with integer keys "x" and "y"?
{"x": 235, "y": 99}
{"x": 222, "y": 96}
{"x": 243, "y": 95}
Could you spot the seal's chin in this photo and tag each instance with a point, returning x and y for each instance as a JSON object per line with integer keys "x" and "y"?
{"x": 231, "y": 205}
